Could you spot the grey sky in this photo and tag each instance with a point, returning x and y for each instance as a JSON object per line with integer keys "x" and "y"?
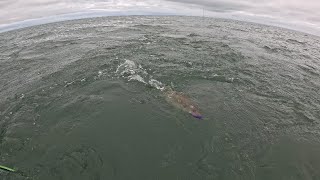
{"x": 295, "y": 14}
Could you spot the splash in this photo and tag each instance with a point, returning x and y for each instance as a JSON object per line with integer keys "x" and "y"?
{"x": 156, "y": 84}
{"x": 135, "y": 72}
{"x": 131, "y": 71}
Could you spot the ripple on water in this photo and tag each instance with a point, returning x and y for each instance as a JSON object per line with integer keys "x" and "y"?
{"x": 82, "y": 99}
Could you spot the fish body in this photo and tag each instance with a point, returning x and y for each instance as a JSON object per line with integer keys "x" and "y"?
{"x": 183, "y": 102}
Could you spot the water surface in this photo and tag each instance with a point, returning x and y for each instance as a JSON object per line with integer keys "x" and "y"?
{"x": 81, "y": 100}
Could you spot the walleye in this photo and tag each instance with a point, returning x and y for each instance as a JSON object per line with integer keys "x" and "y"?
{"x": 132, "y": 71}
{"x": 181, "y": 101}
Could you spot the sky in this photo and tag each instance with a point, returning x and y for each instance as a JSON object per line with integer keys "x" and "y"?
{"x": 301, "y": 15}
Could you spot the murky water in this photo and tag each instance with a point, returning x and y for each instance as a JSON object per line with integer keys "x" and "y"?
{"x": 82, "y": 100}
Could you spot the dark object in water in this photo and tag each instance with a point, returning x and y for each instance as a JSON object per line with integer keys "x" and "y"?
{"x": 183, "y": 102}
{"x": 198, "y": 116}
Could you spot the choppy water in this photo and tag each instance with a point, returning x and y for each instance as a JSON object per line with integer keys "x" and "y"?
{"x": 81, "y": 100}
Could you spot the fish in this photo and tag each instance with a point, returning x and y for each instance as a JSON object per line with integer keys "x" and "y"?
{"x": 183, "y": 102}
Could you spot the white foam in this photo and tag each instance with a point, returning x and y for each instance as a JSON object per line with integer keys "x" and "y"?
{"x": 126, "y": 66}
{"x": 137, "y": 78}
{"x": 157, "y": 84}
{"x": 131, "y": 71}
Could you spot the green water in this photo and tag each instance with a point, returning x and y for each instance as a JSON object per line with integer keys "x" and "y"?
{"x": 76, "y": 100}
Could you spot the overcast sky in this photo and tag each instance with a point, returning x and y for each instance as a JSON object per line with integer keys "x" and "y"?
{"x": 301, "y": 15}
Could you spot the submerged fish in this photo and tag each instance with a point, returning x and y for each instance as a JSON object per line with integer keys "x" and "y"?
{"x": 183, "y": 102}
